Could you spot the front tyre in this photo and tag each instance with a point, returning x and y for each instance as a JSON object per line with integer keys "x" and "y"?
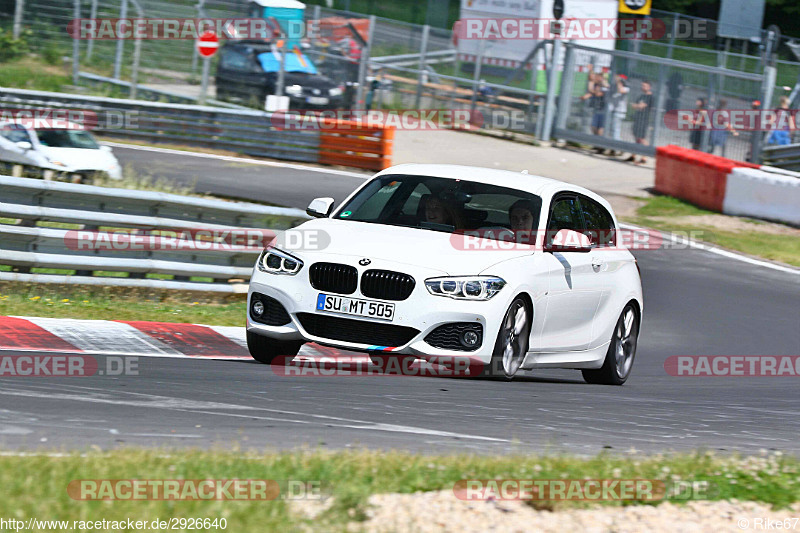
{"x": 265, "y": 350}
{"x": 621, "y": 352}
{"x": 511, "y": 345}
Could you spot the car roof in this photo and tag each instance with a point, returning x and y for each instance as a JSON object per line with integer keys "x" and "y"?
{"x": 539, "y": 185}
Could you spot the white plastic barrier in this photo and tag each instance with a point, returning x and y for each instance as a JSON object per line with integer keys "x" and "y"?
{"x": 762, "y": 194}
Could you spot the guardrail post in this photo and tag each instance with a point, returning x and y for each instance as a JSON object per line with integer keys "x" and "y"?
{"x": 422, "y": 66}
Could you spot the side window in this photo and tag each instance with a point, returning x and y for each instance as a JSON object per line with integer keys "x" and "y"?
{"x": 564, "y": 214}
{"x": 599, "y": 224}
{"x": 234, "y": 60}
{"x": 15, "y": 133}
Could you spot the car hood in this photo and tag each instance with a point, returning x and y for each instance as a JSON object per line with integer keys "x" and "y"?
{"x": 433, "y": 250}
{"x": 80, "y": 158}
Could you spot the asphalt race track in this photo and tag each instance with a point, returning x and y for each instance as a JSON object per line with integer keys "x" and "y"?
{"x": 250, "y": 182}
{"x": 696, "y": 303}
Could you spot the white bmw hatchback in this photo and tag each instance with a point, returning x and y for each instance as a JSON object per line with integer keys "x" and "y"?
{"x": 453, "y": 263}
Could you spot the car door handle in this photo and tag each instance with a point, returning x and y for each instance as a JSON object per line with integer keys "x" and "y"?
{"x": 597, "y": 263}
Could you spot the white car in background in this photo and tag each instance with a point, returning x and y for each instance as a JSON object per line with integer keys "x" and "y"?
{"x": 69, "y": 152}
{"x": 403, "y": 274}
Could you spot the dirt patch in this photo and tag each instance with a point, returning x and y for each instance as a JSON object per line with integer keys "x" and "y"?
{"x": 442, "y": 511}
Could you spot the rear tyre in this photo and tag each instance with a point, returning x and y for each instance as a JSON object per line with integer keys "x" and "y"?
{"x": 511, "y": 345}
{"x": 619, "y": 359}
{"x": 265, "y": 350}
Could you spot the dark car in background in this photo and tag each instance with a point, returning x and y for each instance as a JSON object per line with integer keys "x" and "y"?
{"x": 248, "y": 71}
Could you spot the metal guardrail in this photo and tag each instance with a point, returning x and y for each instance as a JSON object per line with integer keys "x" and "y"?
{"x": 786, "y": 157}
{"x": 147, "y": 215}
{"x": 152, "y": 93}
{"x": 246, "y": 131}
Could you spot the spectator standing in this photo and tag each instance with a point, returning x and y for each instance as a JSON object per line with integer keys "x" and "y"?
{"x": 597, "y": 103}
{"x": 719, "y": 136}
{"x": 783, "y": 135}
{"x": 619, "y": 106}
{"x": 641, "y": 119}
{"x": 699, "y": 120}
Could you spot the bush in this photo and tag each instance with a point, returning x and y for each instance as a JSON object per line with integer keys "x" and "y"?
{"x": 11, "y": 48}
{"x": 52, "y": 55}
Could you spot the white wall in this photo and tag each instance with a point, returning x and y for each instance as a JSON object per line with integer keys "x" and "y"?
{"x": 763, "y": 194}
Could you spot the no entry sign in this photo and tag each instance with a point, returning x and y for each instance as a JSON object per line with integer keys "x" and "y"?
{"x": 207, "y": 44}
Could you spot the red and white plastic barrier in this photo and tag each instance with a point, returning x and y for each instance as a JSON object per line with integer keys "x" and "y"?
{"x": 728, "y": 186}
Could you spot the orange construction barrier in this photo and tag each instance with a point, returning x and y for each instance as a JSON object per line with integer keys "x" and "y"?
{"x": 352, "y": 144}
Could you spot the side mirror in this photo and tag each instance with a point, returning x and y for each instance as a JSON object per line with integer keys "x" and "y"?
{"x": 320, "y": 207}
{"x": 25, "y": 145}
{"x": 567, "y": 240}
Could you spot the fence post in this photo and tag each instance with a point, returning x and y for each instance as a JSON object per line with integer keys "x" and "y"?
{"x": 671, "y": 45}
{"x": 76, "y": 50}
{"x": 567, "y": 81}
{"x": 123, "y": 13}
{"x": 90, "y": 44}
{"x": 550, "y": 103}
{"x": 362, "y": 67}
{"x": 767, "y": 89}
{"x": 426, "y": 30}
{"x": 661, "y": 96}
{"x": 137, "y": 54}
{"x": 476, "y": 76}
{"x": 19, "y": 8}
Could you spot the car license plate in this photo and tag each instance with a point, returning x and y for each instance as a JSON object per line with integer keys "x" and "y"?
{"x": 317, "y": 100}
{"x": 355, "y": 306}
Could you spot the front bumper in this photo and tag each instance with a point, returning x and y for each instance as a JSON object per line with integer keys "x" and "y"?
{"x": 421, "y": 311}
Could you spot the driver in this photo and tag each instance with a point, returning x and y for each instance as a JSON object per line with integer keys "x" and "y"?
{"x": 438, "y": 211}
{"x": 521, "y": 218}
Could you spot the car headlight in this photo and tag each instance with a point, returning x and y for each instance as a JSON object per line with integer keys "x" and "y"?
{"x": 336, "y": 91}
{"x": 275, "y": 261}
{"x": 293, "y": 90}
{"x": 465, "y": 287}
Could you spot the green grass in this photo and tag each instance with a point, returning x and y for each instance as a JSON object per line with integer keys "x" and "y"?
{"x": 34, "y": 74}
{"x": 35, "y": 482}
{"x": 119, "y": 303}
{"x": 660, "y": 213}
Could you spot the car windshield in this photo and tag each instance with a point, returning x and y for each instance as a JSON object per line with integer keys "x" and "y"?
{"x": 441, "y": 204}
{"x": 67, "y": 139}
